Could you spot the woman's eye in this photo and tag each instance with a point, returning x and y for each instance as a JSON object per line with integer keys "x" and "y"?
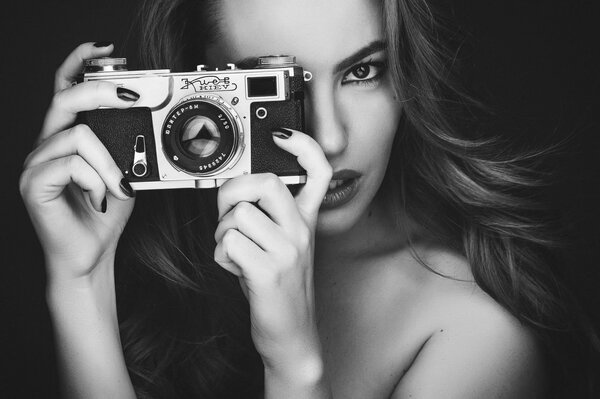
{"x": 361, "y": 71}
{"x": 369, "y": 72}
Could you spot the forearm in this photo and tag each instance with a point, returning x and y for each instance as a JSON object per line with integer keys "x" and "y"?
{"x": 89, "y": 353}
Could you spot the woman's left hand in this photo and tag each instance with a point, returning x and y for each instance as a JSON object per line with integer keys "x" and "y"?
{"x": 266, "y": 237}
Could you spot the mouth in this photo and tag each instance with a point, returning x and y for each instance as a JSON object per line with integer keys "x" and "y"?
{"x": 342, "y": 188}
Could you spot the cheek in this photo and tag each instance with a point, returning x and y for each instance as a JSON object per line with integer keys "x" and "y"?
{"x": 372, "y": 121}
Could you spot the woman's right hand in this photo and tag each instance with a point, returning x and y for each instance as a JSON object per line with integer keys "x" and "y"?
{"x": 74, "y": 192}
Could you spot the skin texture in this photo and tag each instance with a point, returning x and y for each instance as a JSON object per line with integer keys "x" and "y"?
{"x": 387, "y": 326}
{"x": 65, "y": 180}
{"x": 339, "y": 307}
{"x": 354, "y": 124}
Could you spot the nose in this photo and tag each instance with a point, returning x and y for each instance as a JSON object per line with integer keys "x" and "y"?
{"x": 324, "y": 120}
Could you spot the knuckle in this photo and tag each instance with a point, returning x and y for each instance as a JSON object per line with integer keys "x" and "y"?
{"x": 228, "y": 241}
{"x": 242, "y": 210}
{"x": 327, "y": 171}
{"x": 79, "y": 132}
{"x": 223, "y": 193}
{"x": 97, "y": 184}
{"x": 270, "y": 182}
{"x": 73, "y": 162}
{"x": 25, "y": 183}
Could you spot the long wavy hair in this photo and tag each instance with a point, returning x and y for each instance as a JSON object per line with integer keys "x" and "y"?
{"x": 185, "y": 323}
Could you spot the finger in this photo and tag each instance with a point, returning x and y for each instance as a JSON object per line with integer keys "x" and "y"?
{"x": 253, "y": 223}
{"x": 46, "y": 181}
{"x": 312, "y": 159}
{"x": 264, "y": 189}
{"x": 73, "y": 64}
{"x": 83, "y": 97}
{"x": 80, "y": 140}
{"x": 239, "y": 255}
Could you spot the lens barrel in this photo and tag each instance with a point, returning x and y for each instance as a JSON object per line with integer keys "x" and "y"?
{"x": 200, "y": 136}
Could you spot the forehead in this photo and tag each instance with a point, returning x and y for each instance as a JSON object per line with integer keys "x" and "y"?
{"x": 317, "y": 32}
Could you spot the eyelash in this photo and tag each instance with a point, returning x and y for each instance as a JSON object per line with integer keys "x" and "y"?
{"x": 378, "y": 65}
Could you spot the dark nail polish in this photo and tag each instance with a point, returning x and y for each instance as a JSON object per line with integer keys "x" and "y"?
{"x": 282, "y": 133}
{"x": 103, "y": 205}
{"x": 127, "y": 95}
{"x": 126, "y": 188}
{"x": 102, "y": 44}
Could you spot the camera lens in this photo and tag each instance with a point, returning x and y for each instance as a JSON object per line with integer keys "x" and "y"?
{"x": 200, "y": 136}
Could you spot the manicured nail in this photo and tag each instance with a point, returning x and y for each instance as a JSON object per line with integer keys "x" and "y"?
{"x": 102, "y": 44}
{"x": 127, "y": 95}
{"x": 282, "y": 133}
{"x": 126, "y": 188}
{"x": 103, "y": 206}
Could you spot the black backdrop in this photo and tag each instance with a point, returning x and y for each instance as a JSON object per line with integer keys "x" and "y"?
{"x": 536, "y": 62}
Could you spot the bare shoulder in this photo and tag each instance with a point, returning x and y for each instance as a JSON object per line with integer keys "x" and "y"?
{"x": 475, "y": 347}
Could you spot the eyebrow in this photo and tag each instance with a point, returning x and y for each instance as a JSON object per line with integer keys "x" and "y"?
{"x": 371, "y": 48}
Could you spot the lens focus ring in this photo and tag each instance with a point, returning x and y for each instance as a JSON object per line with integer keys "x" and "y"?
{"x": 202, "y": 135}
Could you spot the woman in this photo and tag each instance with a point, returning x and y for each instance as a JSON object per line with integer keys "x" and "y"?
{"x": 408, "y": 265}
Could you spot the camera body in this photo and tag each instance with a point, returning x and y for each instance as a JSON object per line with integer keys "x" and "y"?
{"x": 199, "y": 129}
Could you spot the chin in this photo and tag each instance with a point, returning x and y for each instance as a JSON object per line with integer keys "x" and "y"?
{"x": 331, "y": 222}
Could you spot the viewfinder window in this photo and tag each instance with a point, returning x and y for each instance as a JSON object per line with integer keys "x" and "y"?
{"x": 264, "y": 86}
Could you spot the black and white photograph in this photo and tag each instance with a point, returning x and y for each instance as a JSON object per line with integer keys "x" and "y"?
{"x": 315, "y": 199}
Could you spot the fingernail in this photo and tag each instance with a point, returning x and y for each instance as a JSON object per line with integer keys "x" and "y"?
{"x": 103, "y": 206}
{"x": 282, "y": 133}
{"x": 127, "y": 95}
{"x": 126, "y": 188}
{"x": 102, "y": 44}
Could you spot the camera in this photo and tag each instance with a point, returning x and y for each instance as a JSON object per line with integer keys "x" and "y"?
{"x": 199, "y": 129}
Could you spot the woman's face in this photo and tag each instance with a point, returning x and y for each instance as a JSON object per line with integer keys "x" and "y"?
{"x": 350, "y": 106}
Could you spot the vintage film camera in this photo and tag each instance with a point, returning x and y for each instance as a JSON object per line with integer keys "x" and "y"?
{"x": 199, "y": 129}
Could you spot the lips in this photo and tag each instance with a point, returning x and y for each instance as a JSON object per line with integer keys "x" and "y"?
{"x": 342, "y": 188}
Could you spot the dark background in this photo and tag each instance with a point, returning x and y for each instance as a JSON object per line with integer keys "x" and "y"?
{"x": 536, "y": 62}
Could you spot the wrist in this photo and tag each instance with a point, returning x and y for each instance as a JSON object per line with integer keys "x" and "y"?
{"x": 306, "y": 371}
{"x": 302, "y": 379}
{"x": 77, "y": 266}
{"x": 94, "y": 290}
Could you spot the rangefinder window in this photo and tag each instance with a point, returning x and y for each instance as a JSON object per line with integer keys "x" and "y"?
{"x": 264, "y": 86}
